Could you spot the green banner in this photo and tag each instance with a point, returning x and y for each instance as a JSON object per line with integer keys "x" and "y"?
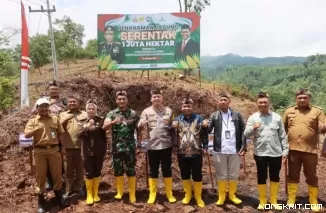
{"x": 149, "y": 41}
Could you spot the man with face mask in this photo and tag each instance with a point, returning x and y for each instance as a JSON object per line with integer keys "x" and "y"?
{"x": 192, "y": 141}
{"x": 72, "y": 121}
{"x": 46, "y": 130}
{"x": 158, "y": 119}
{"x": 303, "y": 124}
{"x": 270, "y": 148}
{"x": 123, "y": 121}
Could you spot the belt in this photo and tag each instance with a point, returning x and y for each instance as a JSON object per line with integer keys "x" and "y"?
{"x": 46, "y": 147}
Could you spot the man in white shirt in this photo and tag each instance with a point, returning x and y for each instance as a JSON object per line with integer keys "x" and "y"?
{"x": 229, "y": 145}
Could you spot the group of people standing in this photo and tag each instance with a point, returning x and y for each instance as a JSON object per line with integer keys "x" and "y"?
{"x": 70, "y": 141}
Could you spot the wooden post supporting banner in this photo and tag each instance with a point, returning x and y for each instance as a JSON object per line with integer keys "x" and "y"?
{"x": 147, "y": 75}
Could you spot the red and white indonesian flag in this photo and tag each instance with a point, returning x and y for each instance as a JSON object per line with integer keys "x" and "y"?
{"x": 25, "y": 61}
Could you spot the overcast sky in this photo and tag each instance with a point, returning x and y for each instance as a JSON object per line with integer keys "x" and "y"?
{"x": 246, "y": 27}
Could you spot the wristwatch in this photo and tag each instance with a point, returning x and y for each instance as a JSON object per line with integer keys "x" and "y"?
{"x": 139, "y": 146}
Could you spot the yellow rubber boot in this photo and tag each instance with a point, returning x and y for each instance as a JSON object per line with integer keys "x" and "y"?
{"x": 119, "y": 183}
{"x": 95, "y": 189}
{"x": 313, "y": 198}
{"x": 292, "y": 193}
{"x": 89, "y": 190}
{"x": 233, "y": 185}
{"x": 221, "y": 185}
{"x": 132, "y": 189}
{"x": 168, "y": 189}
{"x": 262, "y": 196}
{"x": 274, "y": 186}
{"x": 198, "y": 186}
{"x": 152, "y": 182}
{"x": 188, "y": 191}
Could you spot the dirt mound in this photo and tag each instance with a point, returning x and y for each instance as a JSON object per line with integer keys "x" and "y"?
{"x": 16, "y": 181}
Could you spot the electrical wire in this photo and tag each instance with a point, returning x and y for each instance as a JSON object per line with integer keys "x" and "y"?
{"x": 39, "y": 22}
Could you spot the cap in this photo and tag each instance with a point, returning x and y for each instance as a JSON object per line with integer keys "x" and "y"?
{"x": 109, "y": 28}
{"x": 262, "y": 95}
{"x": 303, "y": 91}
{"x": 156, "y": 92}
{"x": 223, "y": 95}
{"x": 41, "y": 101}
{"x": 187, "y": 100}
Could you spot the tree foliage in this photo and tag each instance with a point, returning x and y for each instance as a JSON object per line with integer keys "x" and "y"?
{"x": 193, "y": 5}
{"x": 281, "y": 82}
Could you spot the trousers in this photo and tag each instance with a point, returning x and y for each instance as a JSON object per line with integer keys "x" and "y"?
{"x": 124, "y": 162}
{"x": 161, "y": 157}
{"x": 227, "y": 166}
{"x": 74, "y": 170}
{"x": 93, "y": 166}
{"x": 191, "y": 167}
{"x": 264, "y": 163}
{"x": 296, "y": 160}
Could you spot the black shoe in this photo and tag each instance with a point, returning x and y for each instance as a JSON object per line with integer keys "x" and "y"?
{"x": 41, "y": 202}
{"x": 61, "y": 200}
{"x": 82, "y": 193}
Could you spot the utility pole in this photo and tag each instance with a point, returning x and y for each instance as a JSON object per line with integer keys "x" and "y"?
{"x": 54, "y": 55}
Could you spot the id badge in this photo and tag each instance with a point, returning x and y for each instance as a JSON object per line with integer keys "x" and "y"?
{"x": 53, "y": 135}
{"x": 227, "y": 134}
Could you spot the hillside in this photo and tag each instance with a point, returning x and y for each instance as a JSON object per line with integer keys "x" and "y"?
{"x": 281, "y": 81}
{"x": 212, "y": 65}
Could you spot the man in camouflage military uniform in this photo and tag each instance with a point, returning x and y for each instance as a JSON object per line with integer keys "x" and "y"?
{"x": 303, "y": 123}
{"x": 123, "y": 122}
{"x": 111, "y": 47}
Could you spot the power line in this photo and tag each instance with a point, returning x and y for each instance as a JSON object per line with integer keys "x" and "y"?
{"x": 18, "y": 2}
{"x": 49, "y": 11}
{"x": 39, "y": 22}
{"x": 33, "y": 2}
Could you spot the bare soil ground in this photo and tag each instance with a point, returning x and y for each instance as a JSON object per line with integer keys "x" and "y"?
{"x": 17, "y": 182}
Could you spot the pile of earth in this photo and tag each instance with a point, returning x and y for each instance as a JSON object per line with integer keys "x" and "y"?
{"x": 17, "y": 182}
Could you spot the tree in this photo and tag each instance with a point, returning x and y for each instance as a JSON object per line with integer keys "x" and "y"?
{"x": 6, "y": 34}
{"x": 68, "y": 39}
{"x": 8, "y": 67}
{"x": 40, "y": 50}
{"x": 193, "y": 5}
{"x": 92, "y": 47}
{"x": 7, "y": 93}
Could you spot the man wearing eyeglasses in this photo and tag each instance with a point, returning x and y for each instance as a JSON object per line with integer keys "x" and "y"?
{"x": 303, "y": 123}
{"x": 111, "y": 47}
{"x": 123, "y": 121}
{"x": 270, "y": 148}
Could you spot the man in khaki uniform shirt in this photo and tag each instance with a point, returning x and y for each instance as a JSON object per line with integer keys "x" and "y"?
{"x": 46, "y": 129}
{"x": 302, "y": 124}
{"x": 158, "y": 119}
{"x": 72, "y": 120}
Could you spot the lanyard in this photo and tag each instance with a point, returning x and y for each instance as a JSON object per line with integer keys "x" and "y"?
{"x": 225, "y": 123}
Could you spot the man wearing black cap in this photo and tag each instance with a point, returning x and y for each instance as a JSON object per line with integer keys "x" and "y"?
{"x": 158, "y": 119}
{"x": 229, "y": 145}
{"x": 303, "y": 123}
{"x": 187, "y": 46}
{"x": 192, "y": 141}
{"x": 111, "y": 47}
